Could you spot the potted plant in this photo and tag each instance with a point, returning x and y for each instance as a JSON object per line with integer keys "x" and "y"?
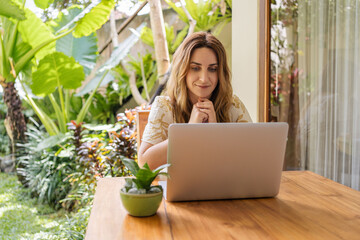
{"x": 138, "y": 196}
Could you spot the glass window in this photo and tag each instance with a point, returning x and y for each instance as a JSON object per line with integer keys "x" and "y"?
{"x": 314, "y": 85}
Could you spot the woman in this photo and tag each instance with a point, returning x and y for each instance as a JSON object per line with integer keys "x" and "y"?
{"x": 198, "y": 91}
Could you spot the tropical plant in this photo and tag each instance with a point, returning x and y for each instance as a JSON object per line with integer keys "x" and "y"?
{"x": 43, "y": 170}
{"x": 25, "y": 39}
{"x": 173, "y": 41}
{"x": 209, "y": 15}
{"x": 144, "y": 177}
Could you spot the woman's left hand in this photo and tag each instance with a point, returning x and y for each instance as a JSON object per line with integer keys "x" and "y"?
{"x": 206, "y": 106}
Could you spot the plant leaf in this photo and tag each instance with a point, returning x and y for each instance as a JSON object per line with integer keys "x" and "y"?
{"x": 92, "y": 84}
{"x": 117, "y": 55}
{"x": 179, "y": 11}
{"x": 43, "y": 4}
{"x": 157, "y": 170}
{"x": 121, "y": 50}
{"x": 164, "y": 174}
{"x": 83, "y": 49}
{"x": 88, "y": 102}
{"x": 144, "y": 178}
{"x": 146, "y": 36}
{"x": 34, "y": 32}
{"x": 59, "y": 114}
{"x": 131, "y": 165}
{"x": 56, "y": 69}
{"x": 10, "y": 9}
{"x": 49, "y": 125}
{"x": 94, "y": 19}
{"x": 179, "y": 39}
{"x": 52, "y": 141}
{"x": 4, "y": 63}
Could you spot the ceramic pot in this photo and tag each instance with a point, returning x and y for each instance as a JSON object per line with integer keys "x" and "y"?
{"x": 141, "y": 205}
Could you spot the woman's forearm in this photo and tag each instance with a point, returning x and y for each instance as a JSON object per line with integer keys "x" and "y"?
{"x": 153, "y": 155}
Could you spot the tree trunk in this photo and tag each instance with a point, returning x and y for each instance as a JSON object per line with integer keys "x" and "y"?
{"x": 158, "y": 29}
{"x": 113, "y": 32}
{"x": 15, "y": 118}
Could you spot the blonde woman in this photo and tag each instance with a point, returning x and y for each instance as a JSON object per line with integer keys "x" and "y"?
{"x": 198, "y": 91}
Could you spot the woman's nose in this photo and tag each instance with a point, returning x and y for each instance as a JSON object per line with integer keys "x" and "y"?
{"x": 203, "y": 76}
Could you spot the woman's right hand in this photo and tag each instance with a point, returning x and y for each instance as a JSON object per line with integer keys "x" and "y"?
{"x": 197, "y": 116}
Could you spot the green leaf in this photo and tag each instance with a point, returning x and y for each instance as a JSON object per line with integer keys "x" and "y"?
{"x": 157, "y": 170}
{"x": 170, "y": 35}
{"x": 179, "y": 39}
{"x": 83, "y": 49}
{"x": 10, "y": 34}
{"x": 52, "y": 141}
{"x": 56, "y": 69}
{"x": 59, "y": 114}
{"x": 92, "y": 18}
{"x": 10, "y": 9}
{"x": 179, "y": 11}
{"x": 144, "y": 178}
{"x": 131, "y": 165}
{"x": 85, "y": 108}
{"x": 34, "y": 32}
{"x": 94, "y": 82}
{"x": 118, "y": 54}
{"x": 43, "y": 4}
{"x": 146, "y": 36}
{"x": 50, "y": 126}
{"x": 4, "y": 63}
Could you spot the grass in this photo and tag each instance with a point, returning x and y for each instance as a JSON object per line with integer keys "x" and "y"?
{"x": 21, "y": 217}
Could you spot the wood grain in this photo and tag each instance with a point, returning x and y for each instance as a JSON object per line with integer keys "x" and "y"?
{"x": 308, "y": 207}
{"x": 109, "y": 219}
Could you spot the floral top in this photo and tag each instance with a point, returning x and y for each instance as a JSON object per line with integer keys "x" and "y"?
{"x": 161, "y": 117}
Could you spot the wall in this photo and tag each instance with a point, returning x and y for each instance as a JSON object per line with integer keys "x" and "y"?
{"x": 245, "y": 53}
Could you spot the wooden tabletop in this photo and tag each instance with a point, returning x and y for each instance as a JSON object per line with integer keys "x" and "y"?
{"x": 308, "y": 207}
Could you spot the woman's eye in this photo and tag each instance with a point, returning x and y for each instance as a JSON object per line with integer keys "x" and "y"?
{"x": 212, "y": 69}
{"x": 195, "y": 68}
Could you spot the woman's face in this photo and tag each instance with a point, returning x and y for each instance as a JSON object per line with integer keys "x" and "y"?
{"x": 202, "y": 77}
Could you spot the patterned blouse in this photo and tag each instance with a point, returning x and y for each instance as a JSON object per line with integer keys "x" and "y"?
{"x": 161, "y": 117}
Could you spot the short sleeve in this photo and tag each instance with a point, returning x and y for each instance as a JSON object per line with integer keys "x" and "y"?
{"x": 239, "y": 113}
{"x": 160, "y": 118}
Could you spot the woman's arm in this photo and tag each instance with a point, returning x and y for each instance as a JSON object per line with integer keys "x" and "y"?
{"x": 153, "y": 155}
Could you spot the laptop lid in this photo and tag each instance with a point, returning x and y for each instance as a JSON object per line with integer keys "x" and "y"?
{"x": 225, "y": 160}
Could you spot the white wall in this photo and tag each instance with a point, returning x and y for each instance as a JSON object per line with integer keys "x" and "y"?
{"x": 245, "y": 53}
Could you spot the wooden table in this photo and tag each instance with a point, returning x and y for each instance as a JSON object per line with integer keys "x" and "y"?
{"x": 308, "y": 207}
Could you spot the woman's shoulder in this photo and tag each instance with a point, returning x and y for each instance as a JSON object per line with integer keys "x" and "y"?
{"x": 163, "y": 102}
{"x": 238, "y": 111}
{"x": 237, "y": 103}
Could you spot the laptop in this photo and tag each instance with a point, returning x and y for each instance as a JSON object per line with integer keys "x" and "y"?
{"x": 224, "y": 160}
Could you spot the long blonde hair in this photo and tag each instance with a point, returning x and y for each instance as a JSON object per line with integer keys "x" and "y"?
{"x": 176, "y": 87}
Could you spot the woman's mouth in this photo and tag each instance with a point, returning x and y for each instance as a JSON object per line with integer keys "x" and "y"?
{"x": 202, "y": 86}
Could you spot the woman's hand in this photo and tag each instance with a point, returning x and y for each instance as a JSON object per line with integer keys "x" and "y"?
{"x": 198, "y": 116}
{"x": 206, "y": 106}
{"x": 203, "y": 112}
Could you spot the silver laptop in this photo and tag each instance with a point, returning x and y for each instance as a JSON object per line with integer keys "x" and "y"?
{"x": 225, "y": 160}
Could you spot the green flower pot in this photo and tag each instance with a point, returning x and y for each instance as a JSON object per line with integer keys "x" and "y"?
{"x": 141, "y": 205}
